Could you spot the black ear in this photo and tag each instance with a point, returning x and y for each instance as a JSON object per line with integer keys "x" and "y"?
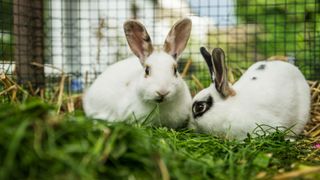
{"x": 207, "y": 57}
{"x": 221, "y": 73}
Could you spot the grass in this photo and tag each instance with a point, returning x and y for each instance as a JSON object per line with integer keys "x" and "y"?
{"x": 48, "y": 138}
{"x": 38, "y": 143}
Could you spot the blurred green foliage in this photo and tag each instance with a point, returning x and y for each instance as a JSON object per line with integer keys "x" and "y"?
{"x": 6, "y": 15}
{"x": 285, "y": 27}
{"x": 6, "y": 22}
{"x": 6, "y": 48}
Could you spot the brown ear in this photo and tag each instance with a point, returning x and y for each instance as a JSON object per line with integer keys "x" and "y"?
{"x": 138, "y": 39}
{"x": 178, "y": 37}
{"x": 221, "y": 73}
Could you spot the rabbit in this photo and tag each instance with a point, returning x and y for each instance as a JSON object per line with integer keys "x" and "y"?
{"x": 134, "y": 87}
{"x": 272, "y": 94}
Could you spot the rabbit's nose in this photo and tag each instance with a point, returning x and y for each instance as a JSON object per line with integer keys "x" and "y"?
{"x": 161, "y": 96}
{"x": 162, "y": 93}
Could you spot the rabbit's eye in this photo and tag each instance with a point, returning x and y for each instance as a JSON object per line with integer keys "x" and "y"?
{"x": 175, "y": 70}
{"x": 200, "y": 107}
{"x": 147, "y": 71}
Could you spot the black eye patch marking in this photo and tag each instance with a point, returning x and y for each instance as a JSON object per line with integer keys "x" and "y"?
{"x": 200, "y": 107}
{"x": 254, "y": 78}
{"x": 261, "y": 67}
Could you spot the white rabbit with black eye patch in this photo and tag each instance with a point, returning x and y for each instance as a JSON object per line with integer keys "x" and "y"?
{"x": 269, "y": 93}
{"x": 137, "y": 85}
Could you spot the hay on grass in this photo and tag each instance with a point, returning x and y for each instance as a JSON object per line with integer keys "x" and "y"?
{"x": 312, "y": 129}
{"x": 76, "y": 146}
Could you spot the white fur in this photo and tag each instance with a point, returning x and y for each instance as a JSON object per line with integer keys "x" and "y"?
{"x": 135, "y": 87}
{"x": 279, "y": 96}
{"x": 122, "y": 90}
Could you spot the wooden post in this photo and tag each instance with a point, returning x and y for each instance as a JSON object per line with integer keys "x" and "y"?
{"x": 29, "y": 43}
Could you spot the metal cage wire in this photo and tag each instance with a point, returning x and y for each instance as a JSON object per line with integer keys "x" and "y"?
{"x": 40, "y": 39}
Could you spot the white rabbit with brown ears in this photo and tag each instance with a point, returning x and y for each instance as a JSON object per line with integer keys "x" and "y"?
{"x": 137, "y": 85}
{"x": 270, "y": 93}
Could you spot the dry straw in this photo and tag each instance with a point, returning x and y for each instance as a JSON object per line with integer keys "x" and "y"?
{"x": 313, "y": 127}
{"x": 312, "y": 130}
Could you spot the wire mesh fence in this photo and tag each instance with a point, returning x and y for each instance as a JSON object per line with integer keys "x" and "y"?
{"x": 42, "y": 39}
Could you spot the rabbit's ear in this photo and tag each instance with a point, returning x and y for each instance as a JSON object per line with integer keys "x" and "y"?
{"x": 221, "y": 73}
{"x": 207, "y": 57}
{"x": 178, "y": 37}
{"x": 138, "y": 39}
